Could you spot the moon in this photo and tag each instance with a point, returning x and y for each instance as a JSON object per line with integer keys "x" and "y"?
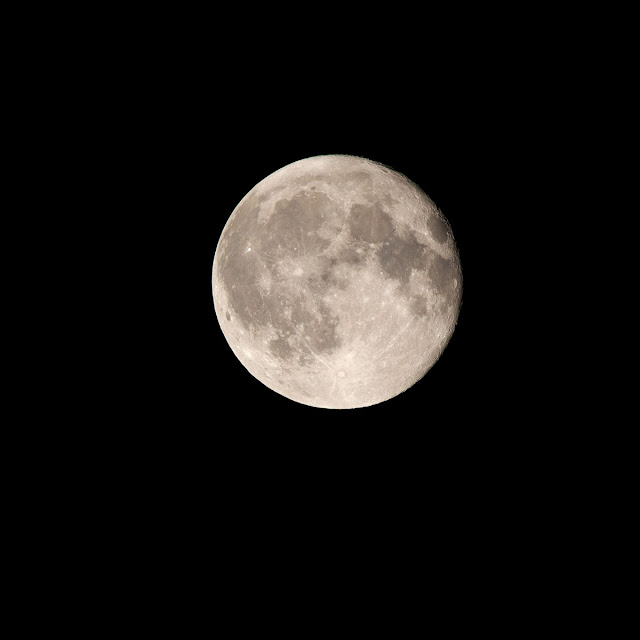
{"x": 337, "y": 282}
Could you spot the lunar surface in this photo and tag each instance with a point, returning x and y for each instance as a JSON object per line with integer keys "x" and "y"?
{"x": 337, "y": 282}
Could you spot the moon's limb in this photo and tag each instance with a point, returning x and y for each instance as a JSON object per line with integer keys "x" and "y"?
{"x": 337, "y": 282}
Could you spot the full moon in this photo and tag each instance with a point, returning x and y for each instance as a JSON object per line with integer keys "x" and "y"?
{"x": 337, "y": 282}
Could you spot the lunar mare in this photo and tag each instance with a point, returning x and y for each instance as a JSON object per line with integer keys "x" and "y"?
{"x": 337, "y": 282}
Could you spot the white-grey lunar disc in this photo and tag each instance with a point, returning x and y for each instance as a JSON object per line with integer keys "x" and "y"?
{"x": 337, "y": 282}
